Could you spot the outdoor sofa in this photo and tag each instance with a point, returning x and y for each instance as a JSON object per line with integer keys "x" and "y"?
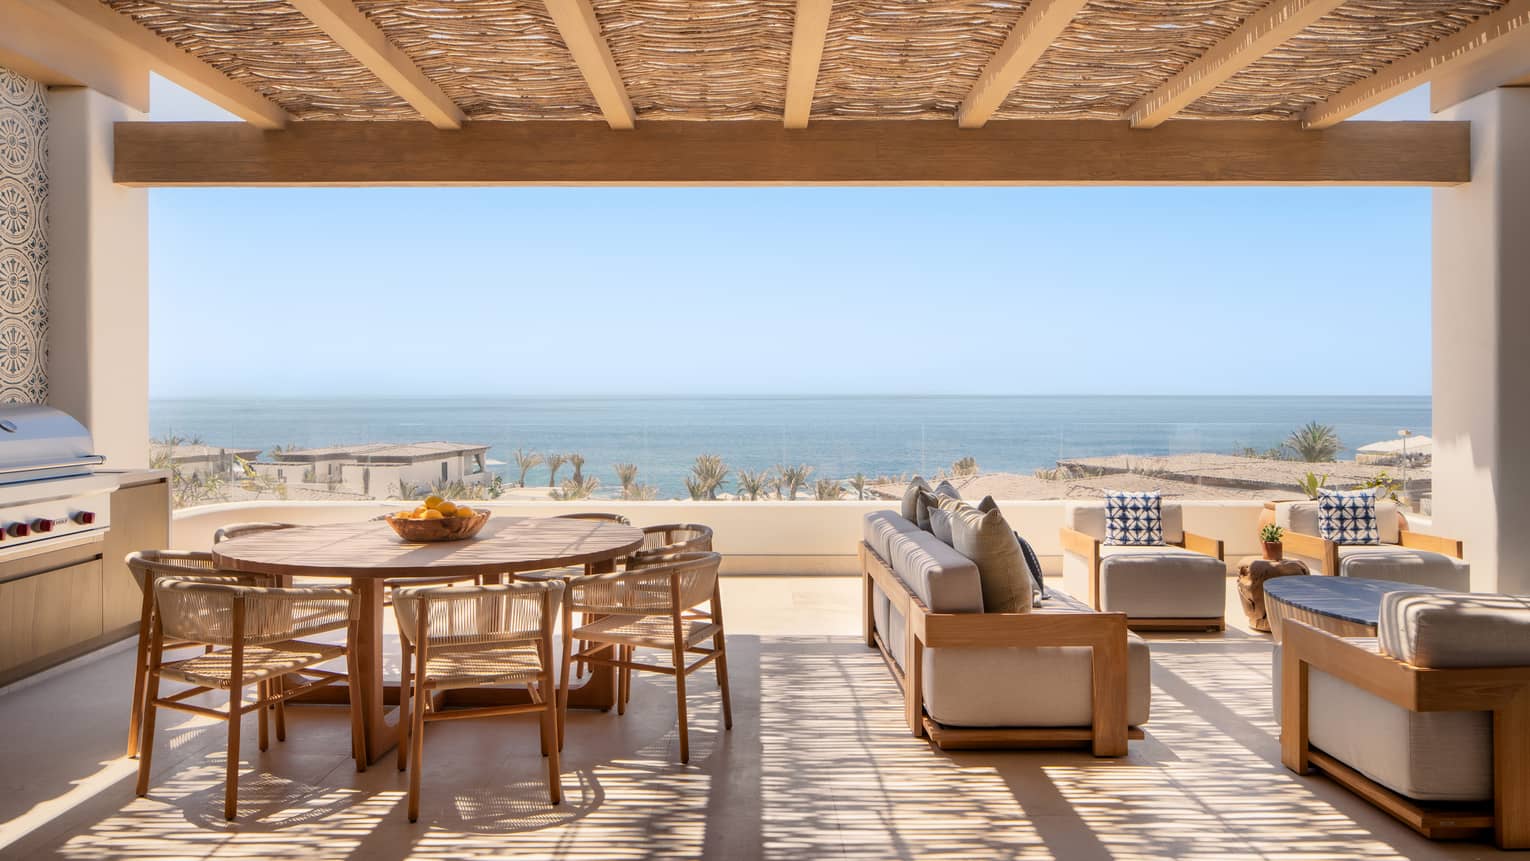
{"x": 1059, "y": 675}
{"x": 1429, "y": 720}
{"x": 1402, "y": 556}
{"x": 1178, "y": 585}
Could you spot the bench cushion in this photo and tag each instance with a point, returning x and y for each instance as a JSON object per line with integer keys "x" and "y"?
{"x": 1448, "y": 629}
{"x": 1302, "y": 516}
{"x": 1162, "y": 582}
{"x": 1404, "y": 565}
{"x": 878, "y": 526}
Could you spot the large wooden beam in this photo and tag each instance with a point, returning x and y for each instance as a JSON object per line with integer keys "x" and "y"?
{"x": 808, "y": 31}
{"x": 843, "y": 152}
{"x": 1500, "y": 31}
{"x": 1261, "y": 33}
{"x": 1041, "y": 23}
{"x": 354, "y": 32}
{"x": 170, "y": 61}
{"x": 47, "y": 47}
{"x": 580, "y": 29}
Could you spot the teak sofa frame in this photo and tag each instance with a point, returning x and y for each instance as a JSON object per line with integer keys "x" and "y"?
{"x": 1504, "y": 691}
{"x": 1313, "y": 547}
{"x": 1087, "y": 546}
{"x": 1104, "y": 633}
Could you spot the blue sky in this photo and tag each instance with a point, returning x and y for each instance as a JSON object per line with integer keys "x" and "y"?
{"x": 320, "y": 292}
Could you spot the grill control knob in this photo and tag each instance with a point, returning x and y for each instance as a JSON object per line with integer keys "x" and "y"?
{"x": 84, "y": 518}
{"x": 42, "y": 524}
{"x": 19, "y": 530}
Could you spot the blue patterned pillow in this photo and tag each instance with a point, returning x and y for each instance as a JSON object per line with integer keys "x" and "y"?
{"x": 1348, "y": 517}
{"x": 1133, "y": 518}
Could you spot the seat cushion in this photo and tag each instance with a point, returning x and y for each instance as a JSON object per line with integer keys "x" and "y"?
{"x": 1404, "y": 565}
{"x": 1162, "y": 582}
{"x": 1445, "y": 629}
{"x": 1428, "y": 756}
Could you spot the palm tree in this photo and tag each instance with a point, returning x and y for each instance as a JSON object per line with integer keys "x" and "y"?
{"x": 964, "y": 466}
{"x": 577, "y": 489}
{"x": 793, "y": 478}
{"x": 526, "y": 461}
{"x": 577, "y": 460}
{"x": 828, "y": 488}
{"x": 858, "y": 484}
{"x": 555, "y": 461}
{"x": 640, "y": 491}
{"x": 1314, "y": 443}
{"x": 626, "y": 473}
{"x": 752, "y": 484}
{"x": 707, "y": 475}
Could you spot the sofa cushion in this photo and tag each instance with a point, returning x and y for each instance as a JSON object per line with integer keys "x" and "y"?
{"x": 1429, "y": 756}
{"x": 1089, "y": 518}
{"x": 1348, "y": 517}
{"x": 940, "y": 524}
{"x": 1455, "y": 629}
{"x": 1302, "y": 516}
{"x": 910, "y": 510}
{"x": 1162, "y": 582}
{"x": 877, "y": 526}
{"x": 1404, "y": 565}
{"x": 945, "y": 580}
{"x": 947, "y": 490}
{"x": 1133, "y": 518}
{"x": 988, "y": 541}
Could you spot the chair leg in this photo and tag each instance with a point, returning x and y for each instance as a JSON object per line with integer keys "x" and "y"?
{"x": 685, "y": 741}
{"x": 624, "y": 678}
{"x": 417, "y": 741}
{"x": 550, "y": 731}
{"x": 151, "y": 695}
{"x": 721, "y": 646}
{"x": 563, "y": 690}
{"x": 140, "y": 669}
{"x": 404, "y": 720}
{"x": 231, "y": 787}
{"x": 262, "y": 691}
{"x": 541, "y": 693}
{"x": 279, "y": 685}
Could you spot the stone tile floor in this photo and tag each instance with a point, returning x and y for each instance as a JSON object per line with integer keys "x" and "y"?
{"x": 818, "y": 765}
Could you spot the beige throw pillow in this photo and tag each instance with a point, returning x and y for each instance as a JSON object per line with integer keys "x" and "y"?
{"x": 910, "y": 510}
{"x": 940, "y": 523}
{"x": 987, "y": 539}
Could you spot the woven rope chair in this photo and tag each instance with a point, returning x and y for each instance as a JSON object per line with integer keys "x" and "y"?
{"x": 257, "y": 638}
{"x": 406, "y": 582}
{"x": 569, "y": 572}
{"x": 653, "y": 607}
{"x": 237, "y": 530}
{"x": 668, "y": 539}
{"x": 470, "y": 636}
{"x": 147, "y": 566}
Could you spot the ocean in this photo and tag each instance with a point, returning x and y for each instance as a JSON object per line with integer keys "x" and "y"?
{"x": 837, "y": 436}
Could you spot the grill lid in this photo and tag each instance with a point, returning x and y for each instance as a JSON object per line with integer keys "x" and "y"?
{"x": 38, "y": 442}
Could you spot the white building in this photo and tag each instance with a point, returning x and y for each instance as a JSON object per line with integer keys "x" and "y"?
{"x": 378, "y": 469}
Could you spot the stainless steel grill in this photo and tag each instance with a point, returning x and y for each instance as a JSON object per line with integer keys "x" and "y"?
{"x": 49, "y": 487}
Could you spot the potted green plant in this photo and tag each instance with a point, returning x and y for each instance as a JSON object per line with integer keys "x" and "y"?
{"x": 1269, "y": 536}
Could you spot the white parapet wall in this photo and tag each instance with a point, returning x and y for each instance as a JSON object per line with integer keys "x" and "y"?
{"x": 755, "y": 537}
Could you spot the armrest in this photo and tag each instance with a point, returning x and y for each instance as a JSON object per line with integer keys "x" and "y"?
{"x": 1036, "y": 629}
{"x": 1314, "y": 547}
{"x": 1203, "y": 544}
{"x": 1080, "y": 543}
{"x": 1431, "y": 543}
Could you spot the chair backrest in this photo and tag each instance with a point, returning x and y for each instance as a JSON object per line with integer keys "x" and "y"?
{"x": 235, "y": 530}
{"x": 668, "y": 539}
{"x": 1089, "y": 518}
{"x": 146, "y": 566}
{"x": 1302, "y": 516}
{"x": 648, "y": 590}
{"x": 203, "y": 610}
{"x": 596, "y": 515}
{"x": 475, "y": 615}
{"x": 1441, "y": 630}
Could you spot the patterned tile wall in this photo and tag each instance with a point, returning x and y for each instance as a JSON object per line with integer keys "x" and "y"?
{"x": 23, "y": 239}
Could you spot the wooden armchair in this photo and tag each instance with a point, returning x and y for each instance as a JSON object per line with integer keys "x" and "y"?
{"x": 1301, "y": 540}
{"x": 1504, "y": 691}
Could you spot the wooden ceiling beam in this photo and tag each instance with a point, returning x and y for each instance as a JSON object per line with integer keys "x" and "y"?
{"x": 580, "y": 29}
{"x": 762, "y": 152}
{"x": 1261, "y": 33}
{"x": 171, "y": 62}
{"x": 1502, "y": 30}
{"x": 50, "y": 49}
{"x": 809, "y": 29}
{"x": 1041, "y": 23}
{"x": 353, "y": 31}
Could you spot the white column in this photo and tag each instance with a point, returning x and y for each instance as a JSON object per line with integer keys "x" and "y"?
{"x": 1481, "y": 340}
{"x": 98, "y": 296}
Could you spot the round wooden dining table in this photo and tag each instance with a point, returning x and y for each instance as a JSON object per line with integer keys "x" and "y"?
{"x": 369, "y": 553}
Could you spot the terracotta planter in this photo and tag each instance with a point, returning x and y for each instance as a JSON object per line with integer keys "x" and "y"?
{"x": 1272, "y": 550}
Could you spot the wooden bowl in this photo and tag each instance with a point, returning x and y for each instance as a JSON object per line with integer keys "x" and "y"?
{"x": 445, "y": 529}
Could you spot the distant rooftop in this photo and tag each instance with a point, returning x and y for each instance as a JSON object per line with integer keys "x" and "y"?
{"x": 385, "y": 452}
{"x": 198, "y": 451}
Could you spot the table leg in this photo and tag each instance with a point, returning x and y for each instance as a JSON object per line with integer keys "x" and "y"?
{"x": 381, "y": 723}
